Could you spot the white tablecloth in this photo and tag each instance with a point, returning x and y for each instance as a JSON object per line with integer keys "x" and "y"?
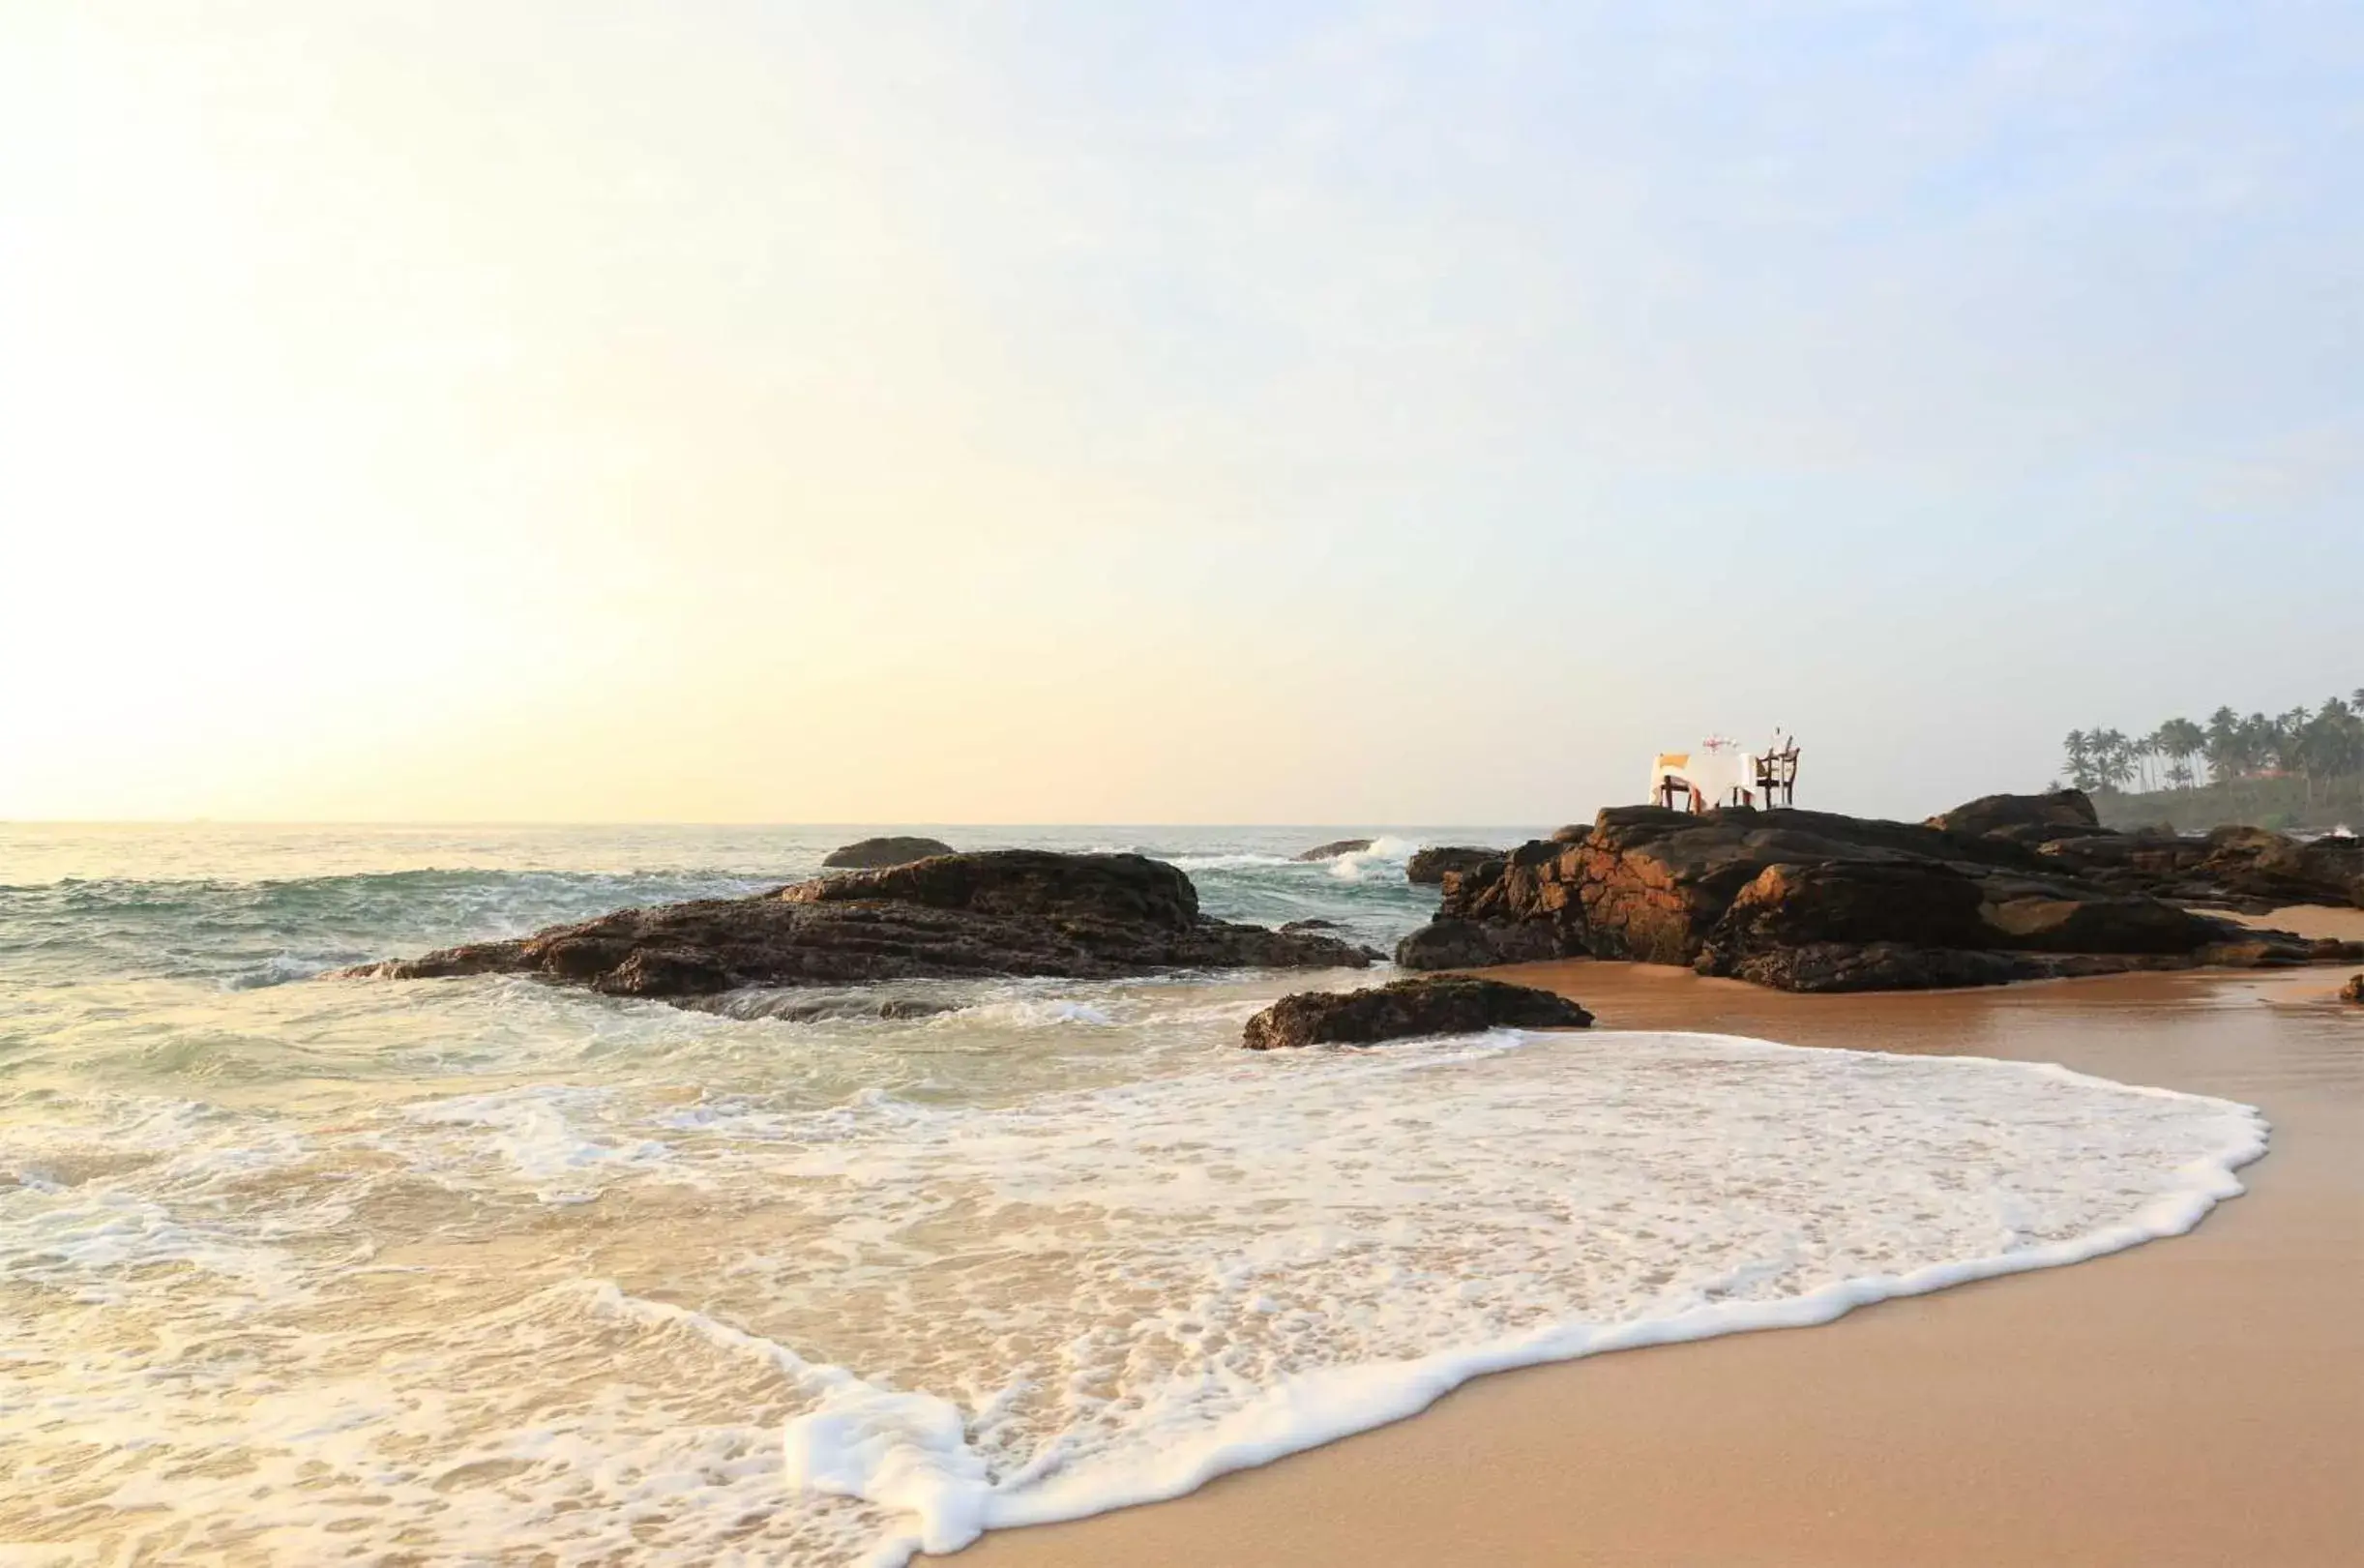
{"x": 1714, "y": 775}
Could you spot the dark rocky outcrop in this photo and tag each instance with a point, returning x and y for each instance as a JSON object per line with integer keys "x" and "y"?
{"x": 1000, "y": 912}
{"x": 2353, "y": 991}
{"x": 1296, "y": 927}
{"x": 1447, "y": 943}
{"x": 2007, "y": 888}
{"x": 2253, "y": 870}
{"x": 2031, "y": 819}
{"x": 1428, "y": 867}
{"x": 869, "y": 854}
{"x": 1335, "y": 848}
{"x": 2243, "y": 868}
{"x": 1430, "y": 1005}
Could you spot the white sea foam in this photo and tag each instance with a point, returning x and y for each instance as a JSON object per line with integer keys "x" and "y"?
{"x": 837, "y": 1333}
{"x": 531, "y": 1130}
{"x": 1023, "y": 1011}
{"x": 1384, "y": 858}
{"x": 275, "y": 970}
{"x": 1766, "y": 1211}
{"x": 1244, "y": 861}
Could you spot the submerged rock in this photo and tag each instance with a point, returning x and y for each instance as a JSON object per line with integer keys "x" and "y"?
{"x": 1430, "y": 1005}
{"x": 1335, "y": 848}
{"x": 1813, "y": 900}
{"x": 1428, "y": 867}
{"x": 1296, "y": 927}
{"x": 821, "y": 1005}
{"x": 869, "y": 854}
{"x": 999, "y": 912}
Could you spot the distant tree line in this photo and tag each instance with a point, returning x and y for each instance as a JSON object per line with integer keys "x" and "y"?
{"x": 2318, "y": 747}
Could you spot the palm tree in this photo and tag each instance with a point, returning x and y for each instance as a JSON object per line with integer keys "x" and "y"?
{"x": 2288, "y": 727}
{"x": 2332, "y": 745}
{"x": 2343, "y": 716}
{"x": 2182, "y": 740}
{"x": 2114, "y": 759}
{"x": 2079, "y": 746}
{"x": 2223, "y": 745}
{"x": 2259, "y": 743}
{"x": 2320, "y": 748}
{"x": 2323, "y": 749}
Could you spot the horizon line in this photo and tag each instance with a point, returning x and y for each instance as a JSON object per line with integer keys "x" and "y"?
{"x": 668, "y": 822}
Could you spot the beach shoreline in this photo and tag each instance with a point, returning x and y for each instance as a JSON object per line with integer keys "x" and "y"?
{"x": 2196, "y": 1401}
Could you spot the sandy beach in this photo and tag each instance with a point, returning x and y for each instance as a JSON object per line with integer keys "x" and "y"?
{"x": 1172, "y": 785}
{"x": 2198, "y": 1400}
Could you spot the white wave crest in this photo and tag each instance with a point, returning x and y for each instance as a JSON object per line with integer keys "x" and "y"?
{"x": 1026, "y": 1010}
{"x": 1227, "y": 863}
{"x": 1385, "y": 857}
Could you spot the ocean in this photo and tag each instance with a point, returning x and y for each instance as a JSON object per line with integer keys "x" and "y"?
{"x": 300, "y": 1269}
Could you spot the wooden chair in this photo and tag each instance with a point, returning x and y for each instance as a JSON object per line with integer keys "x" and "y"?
{"x": 1669, "y": 784}
{"x": 1776, "y": 777}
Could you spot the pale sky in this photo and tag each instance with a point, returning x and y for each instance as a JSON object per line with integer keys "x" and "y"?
{"x": 1195, "y": 413}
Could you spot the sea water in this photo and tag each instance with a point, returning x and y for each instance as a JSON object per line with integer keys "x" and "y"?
{"x": 298, "y": 1269}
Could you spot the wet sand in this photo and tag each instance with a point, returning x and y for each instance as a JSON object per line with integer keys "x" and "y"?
{"x": 2198, "y": 1400}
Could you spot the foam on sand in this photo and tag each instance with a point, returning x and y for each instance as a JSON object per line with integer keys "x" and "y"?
{"x": 913, "y": 1455}
{"x": 841, "y": 1334}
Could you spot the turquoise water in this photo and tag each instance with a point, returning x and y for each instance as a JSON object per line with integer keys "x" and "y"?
{"x": 171, "y": 960}
{"x": 240, "y": 906}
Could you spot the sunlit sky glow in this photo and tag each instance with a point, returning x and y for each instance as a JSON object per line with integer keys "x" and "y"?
{"x": 1392, "y": 413}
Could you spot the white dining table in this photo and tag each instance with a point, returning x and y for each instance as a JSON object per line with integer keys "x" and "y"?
{"x": 1713, "y": 774}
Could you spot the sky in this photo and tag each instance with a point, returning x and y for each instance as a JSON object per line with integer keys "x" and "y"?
{"x": 866, "y": 412}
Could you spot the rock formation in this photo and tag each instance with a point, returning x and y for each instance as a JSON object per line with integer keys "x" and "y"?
{"x": 1430, "y": 1005}
{"x": 1335, "y": 848}
{"x": 2008, "y": 888}
{"x": 2028, "y": 819}
{"x": 2253, "y": 870}
{"x": 2243, "y": 868}
{"x": 1448, "y": 942}
{"x": 1000, "y": 912}
{"x": 869, "y": 854}
{"x": 1428, "y": 867}
{"x": 2353, "y": 991}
